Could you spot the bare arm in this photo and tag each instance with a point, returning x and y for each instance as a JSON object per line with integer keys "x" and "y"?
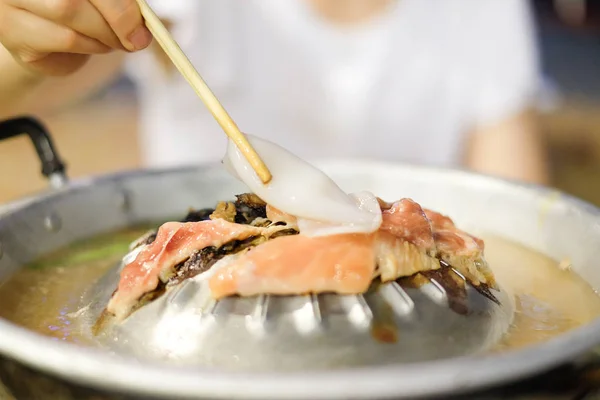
{"x": 22, "y": 91}
{"x": 511, "y": 149}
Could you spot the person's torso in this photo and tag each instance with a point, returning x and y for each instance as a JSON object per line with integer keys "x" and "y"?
{"x": 394, "y": 88}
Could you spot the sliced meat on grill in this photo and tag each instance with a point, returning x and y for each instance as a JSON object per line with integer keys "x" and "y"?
{"x": 174, "y": 243}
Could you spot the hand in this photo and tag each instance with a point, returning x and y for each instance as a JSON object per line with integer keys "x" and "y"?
{"x": 57, "y": 37}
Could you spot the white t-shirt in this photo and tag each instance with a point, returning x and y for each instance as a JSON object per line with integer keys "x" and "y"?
{"x": 405, "y": 86}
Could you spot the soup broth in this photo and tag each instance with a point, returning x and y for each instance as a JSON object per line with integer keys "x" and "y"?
{"x": 45, "y": 295}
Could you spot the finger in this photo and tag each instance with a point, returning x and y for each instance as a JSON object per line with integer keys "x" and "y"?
{"x": 79, "y": 15}
{"x": 125, "y": 18}
{"x": 58, "y": 64}
{"x": 33, "y": 37}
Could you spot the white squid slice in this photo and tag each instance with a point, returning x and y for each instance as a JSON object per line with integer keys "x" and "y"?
{"x": 365, "y": 201}
{"x": 300, "y": 189}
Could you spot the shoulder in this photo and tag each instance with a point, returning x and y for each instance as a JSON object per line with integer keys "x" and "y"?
{"x": 472, "y": 34}
{"x": 491, "y": 45}
{"x": 478, "y": 22}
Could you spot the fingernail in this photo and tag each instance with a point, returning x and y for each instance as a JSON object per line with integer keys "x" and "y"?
{"x": 140, "y": 38}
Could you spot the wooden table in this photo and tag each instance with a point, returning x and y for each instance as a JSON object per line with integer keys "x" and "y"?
{"x": 98, "y": 136}
{"x": 573, "y": 136}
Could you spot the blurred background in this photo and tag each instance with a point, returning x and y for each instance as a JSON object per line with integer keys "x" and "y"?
{"x": 99, "y": 135}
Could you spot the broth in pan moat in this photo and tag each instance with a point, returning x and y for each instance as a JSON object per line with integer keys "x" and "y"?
{"x": 45, "y": 295}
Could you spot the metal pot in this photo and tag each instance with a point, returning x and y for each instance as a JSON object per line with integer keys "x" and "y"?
{"x": 33, "y": 366}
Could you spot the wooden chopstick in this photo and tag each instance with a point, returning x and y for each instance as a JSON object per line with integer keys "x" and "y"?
{"x": 185, "y": 67}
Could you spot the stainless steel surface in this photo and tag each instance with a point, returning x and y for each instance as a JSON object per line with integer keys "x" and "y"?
{"x": 58, "y": 180}
{"x": 555, "y": 224}
{"x": 390, "y": 324}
